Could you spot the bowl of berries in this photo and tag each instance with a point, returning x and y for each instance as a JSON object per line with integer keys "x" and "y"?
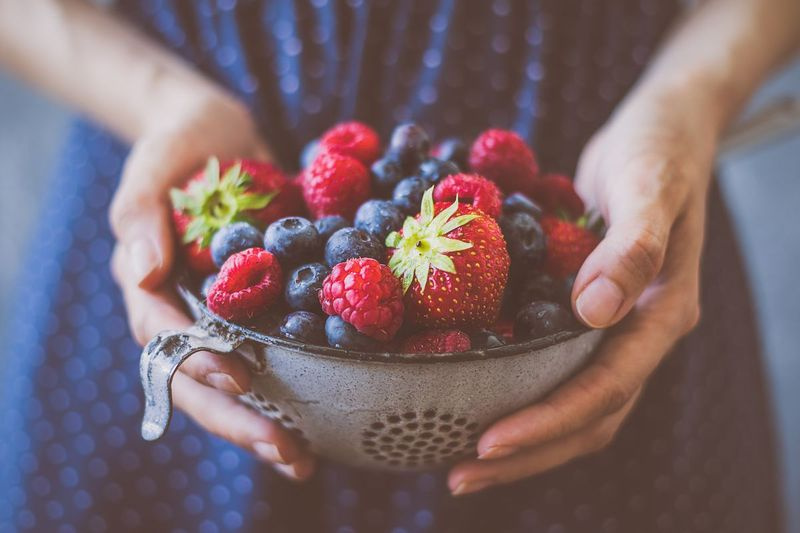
{"x": 391, "y": 304}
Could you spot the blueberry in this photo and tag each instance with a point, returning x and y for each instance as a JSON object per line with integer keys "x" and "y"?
{"x": 340, "y": 334}
{"x": 303, "y": 285}
{"x": 309, "y": 153}
{"x": 386, "y": 173}
{"x": 408, "y": 194}
{"x": 434, "y": 169}
{"x": 234, "y": 238}
{"x": 379, "y": 217}
{"x": 525, "y": 239}
{"x": 410, "y": 145}
{"x": 483, "y": 339}
{"x": 566, "y": 290}
{"x": 539, "y": 287}
{"x": 304, "y": 326}
{"x": 206, "y": 285}
{"x": 293, "y": 240}
{"x": 455, "y": 150}
{"x": 327, "y": 226}
{"x": 348, "y": 243}
{"x": 519, "y": 203}
{"x": 540, "y": 319}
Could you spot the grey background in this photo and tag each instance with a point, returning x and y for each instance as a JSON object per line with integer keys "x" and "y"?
{"x": 762, "y": 185}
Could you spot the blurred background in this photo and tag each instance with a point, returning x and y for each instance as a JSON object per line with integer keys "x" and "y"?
{"x": 761, "y": 180}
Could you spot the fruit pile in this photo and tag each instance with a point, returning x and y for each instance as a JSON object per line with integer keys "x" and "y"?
{"x": 415, "y": 249}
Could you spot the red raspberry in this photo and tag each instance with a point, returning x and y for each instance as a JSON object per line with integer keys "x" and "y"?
{"x": 335, "y": 185}
{"x": 353, "y": 139}
{"x": 503, "y": 157}
{"x": 568, "y": 246}
{"x": 364, "y": 293}
{"x": 470, "y": 189}
{"x": 555, "y": 192}
{"x": 248, "y": 283}
{"x": 437, "y": 341}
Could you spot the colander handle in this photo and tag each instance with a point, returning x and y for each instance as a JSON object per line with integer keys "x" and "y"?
{"x": 160, "y": 360}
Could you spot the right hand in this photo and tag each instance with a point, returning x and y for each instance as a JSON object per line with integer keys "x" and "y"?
{"x": 206, "y": 385}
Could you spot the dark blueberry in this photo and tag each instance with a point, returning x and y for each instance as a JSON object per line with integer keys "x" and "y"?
{"x": 293, "y": 240}
{"x": 408, "y": 194}
{"x": 340, "y": 334}
{"x": 304, "y": 326}
{"x": 379, "y": 217}
{"x": 303, "y": 285}
{"x": 327, "y": 226}
{"x": 207, "y": 283}
{"x": 525, "y": 239}
{"x": 539, "y": 287}
{"x": 540, "y": 319}
{"x": 234, "y": 238}
{"x": 519, "y": 203}
{"x": 566, "y": 290}
{"x": 348, "y": 243}
{"x": 410, "y": 145}
{"x": 483, "y": 339}
{"x": 434, "y": 169}
{"x": 386, "y": 173}
{"x": 455, "y": 150}
{"x": 309, "y": 153}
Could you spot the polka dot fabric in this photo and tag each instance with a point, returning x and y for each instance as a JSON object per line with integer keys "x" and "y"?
{"x": 696, "y": 453}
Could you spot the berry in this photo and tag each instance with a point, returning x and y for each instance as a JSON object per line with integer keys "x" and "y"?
{"x": 248, "y": 283}
{"x": 335, "y": 185}
{"x": 293, "y": 240}
{"x": 206, "y": 285}
{"x": 327, "y": 226}
{"x": 379, "y": 217}
{"x": 303, "y": 286}
{"x": 568, "y": 246}
{"x": 556, "y": 194}
{"x": 304, "y": 326}
{"x": 453, "y": 149}
{"x": 364, "y": 293}
{"x": 385, "y": 173}
{"x": 470, "y": 189}
{"x": 540, "y": 319}
{"x": 340, "y": 334}
{"x": 309, "y": 153}
{"x": 408, "y": 193}
{"x": 352, "y": 139}
{"x": 503, "y": 157}
{"x": 437, "y": 341}
{"x": 566, "y": 290}
{"x": 525, "y": 239}
{"x": 484, "y": 339}
{"x": 519, "y": 203}
{"x": 349, "y": 243}
{"x": 539, "y": 287}
{"x": 232, "y": 239}
{"x": 435, "y": 170}
{"x": 453, "y": 264}
{"x": 410, "y": 145}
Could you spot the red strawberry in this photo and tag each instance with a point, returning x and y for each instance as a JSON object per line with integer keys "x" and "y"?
{"x": 471, "y": 189}
{"x": 364, "y": 293}
{"x": 352, "y": 139}
{"x": 437, "y": 341}
{"x": 453, "y": 263}
{"x": 568, "y": 246}
{"x": 248, "y": 283}
{"x": 556, "y": 193}
{"x": 335, "y": 185}
{"x": 503, "y": 157}
{"x": 505, "y": 328}
{"x": 242, "y": 190}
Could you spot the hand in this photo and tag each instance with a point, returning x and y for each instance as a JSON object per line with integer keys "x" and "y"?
{"x": 141, "y": 219}
{"x": 647, "y": 173}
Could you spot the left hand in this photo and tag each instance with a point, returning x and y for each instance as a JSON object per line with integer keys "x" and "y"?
{"x": 647, "y": 173}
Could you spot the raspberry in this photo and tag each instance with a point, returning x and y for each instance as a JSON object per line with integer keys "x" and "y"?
{"x": 503, "y": 157}
{"x": 335, "y": 185}
{"x": 470, "y": 189}
{"x": 555, "y": 192}
{"x": 248, "y": 283}
{"x": 352, "y": 139}
{"x": 437, "y": 341}
{"x": 364, "y": 293}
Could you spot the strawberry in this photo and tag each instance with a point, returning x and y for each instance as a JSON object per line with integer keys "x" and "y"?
{"x": 503, "y": 157}
{"x": 453, "y": 264}
{"x": 556, "y": 194}
{"x": 471, "y": 189}
{"x": 437, "y": 341}
{"x": 335, "y": 185}
{"x": 568, "y": 245}
{"x": 352, "y": 139}
{"x": 234, "y": 191}
{"x": 248, "y": 283}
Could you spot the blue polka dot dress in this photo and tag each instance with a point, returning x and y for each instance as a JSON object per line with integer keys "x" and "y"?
{"x": 696, "y": 453}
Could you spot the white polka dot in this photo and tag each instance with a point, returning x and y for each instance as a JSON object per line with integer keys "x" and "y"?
{"x": 428, "y": 95}
{"x": 289, "y": 84}
{"x": 432, "y": 58}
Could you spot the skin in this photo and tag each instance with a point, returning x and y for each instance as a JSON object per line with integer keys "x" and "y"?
{"x": 647, "y": 171}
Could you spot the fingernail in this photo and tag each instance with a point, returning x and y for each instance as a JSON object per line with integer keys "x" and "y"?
{"x": 496, "y": 452}
{"x": 223, "y": 382}
{"x": 599, "y": 302}
{"x": 268, "y": 452}
{"x": 468, "y": 487}
{"x": 289, "y": 471}
{"x": 143, "y": 257}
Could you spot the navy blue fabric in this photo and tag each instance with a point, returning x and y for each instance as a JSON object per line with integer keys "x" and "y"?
{"x": 696, "y": 453}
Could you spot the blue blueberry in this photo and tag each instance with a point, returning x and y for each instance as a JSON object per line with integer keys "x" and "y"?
{"x": 309, "y": 153}
{"x": 434, "y": 169}
{"x": 519, "y": 203}
{"x": 348, "y": 243}
{"x": 483, "y": 339}
{"x": 537, "y": 287}
{"x": 410, "y": 145}
{"x": 540, "y": 319}
{"x": 327, "y": 226}
{"x": 206, "y": 285}
{"x": 304, "y": 326}
{"x": 293, "y": 240}
{"x": 525, "y": 239}
{"x": 455, "y": 150}
{"x": 386, "y": 173}
{"x": 303, "y": 285}
{"x": 408, "y": 193}
{"x": 379, "y": 217}
{"x": 232, "y": 239}
{"x": 340, "y": 334}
